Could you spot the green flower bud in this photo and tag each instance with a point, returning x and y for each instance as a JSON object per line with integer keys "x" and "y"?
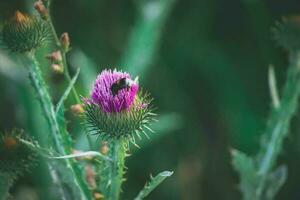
{"x": 24, "y": 33}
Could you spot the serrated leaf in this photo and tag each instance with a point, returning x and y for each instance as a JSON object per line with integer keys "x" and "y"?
{"x": 154, "y": 182}
{"x": 67, "y": 91}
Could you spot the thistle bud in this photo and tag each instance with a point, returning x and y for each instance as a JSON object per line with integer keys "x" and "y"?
{"x": 24, "y": 33}
{"x": 104, "y": 148}
{"x": 77, "y": 109}
{"x": 90, "y": 176}
{"x": 54, "y": 57}
{"x": 98, "y": 196}
{"x": 42, "y": 10}
{"x": 57, "y": 68}
{"x": 65, "y": 41}
{"x": 15, "y": 156}
{"x": 116, "y": 109}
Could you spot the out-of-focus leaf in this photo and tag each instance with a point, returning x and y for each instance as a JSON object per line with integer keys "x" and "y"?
{"x": 67, "y": 91}
{"x": 144, "y": 39}
{"x": 79, "y": 60}
{"x": 276, "y": 179}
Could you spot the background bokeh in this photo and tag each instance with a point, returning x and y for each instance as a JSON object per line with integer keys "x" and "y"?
{"x": 205, "y": 62}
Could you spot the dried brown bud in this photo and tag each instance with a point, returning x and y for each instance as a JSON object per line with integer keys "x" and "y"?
{"x": 104, "y": 148}
{"x": 40, "y": 7}
{"x": 90, "y": 176}
{"x": 65, "y": 41}
{"x": 77, "y": 109}
{"x": 10, "y": 143}
{"x": 55, "y": 57}
{"x": 98, "y": 196}
{"x": 57, "y": 68}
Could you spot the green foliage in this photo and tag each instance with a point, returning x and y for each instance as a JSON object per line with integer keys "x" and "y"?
{"x": 257, "y": 178}
{"x": 66, "y": 93}
{"x": 60, "y": 137}
{"x": 153, "y": 183}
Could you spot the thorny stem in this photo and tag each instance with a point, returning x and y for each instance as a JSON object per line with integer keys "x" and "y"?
{"x": 278, "y": 125}
{"x": 116, "y": 169}
{"x": 40, "y": 88}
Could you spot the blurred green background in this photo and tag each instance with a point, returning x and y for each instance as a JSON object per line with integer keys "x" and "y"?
{"x": 205, "y": 62}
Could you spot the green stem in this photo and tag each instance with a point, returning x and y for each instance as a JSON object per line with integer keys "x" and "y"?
{"x": 65, "y": 67}
{"x": 59, "y": 139}
{"x": 64, "y": 60}
{"x": 5, "y": 184}
{"x": 116, "y": 168}
{"x": 279, "y": 122}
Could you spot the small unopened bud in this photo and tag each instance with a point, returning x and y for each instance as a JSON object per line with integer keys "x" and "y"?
{"x": 24, "y": 33}
{"x": 90, "y": 176}
{"x": 77, "y": 109}
{"x": 42, "y": 10}
{"x": 98, "y": 196}
{"x": 55, "y": 57}
{"x": 57, "y": 68}
{"x": 65, "y": 41}
{"x": 104, "y": 148}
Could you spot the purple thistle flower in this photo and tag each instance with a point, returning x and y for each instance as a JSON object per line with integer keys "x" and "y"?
{"x": 103, "y": 96}
{"x": 116, "y": 109}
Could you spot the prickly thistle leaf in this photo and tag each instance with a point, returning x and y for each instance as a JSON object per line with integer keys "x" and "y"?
{"x": 24, "y": 33}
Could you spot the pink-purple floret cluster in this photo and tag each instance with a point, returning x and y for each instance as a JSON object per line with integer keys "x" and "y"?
{"x": 102, "y": 96}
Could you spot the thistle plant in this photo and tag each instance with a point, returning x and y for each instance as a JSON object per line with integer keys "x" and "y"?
{"x": 260, "y": 178}
{"x": 117, "y": 112}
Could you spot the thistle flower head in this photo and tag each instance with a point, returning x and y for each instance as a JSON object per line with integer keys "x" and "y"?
{"x": 115, "y": 107}
{"x": 103, "y": 91}
{"x": 287, "y": 33}
{"x": 15, "y": 156}
{"x": 24, "y": 33}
